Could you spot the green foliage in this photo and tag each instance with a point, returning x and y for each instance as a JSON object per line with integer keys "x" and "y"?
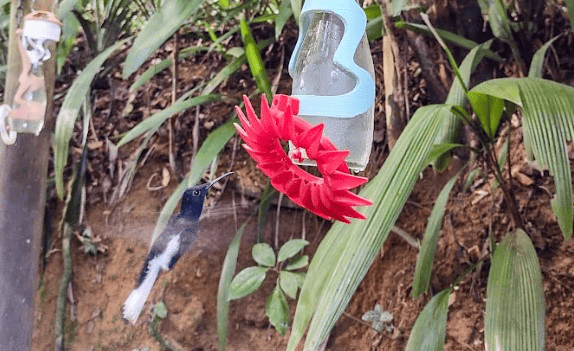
{"x": 451, "y": 128}
{"x": 425, "y": 259}
{"x": 103, "y": 22}
{"x": 277, "y": 309}
{"x": 488, "y": 109}
{"x": 446, "y": 36}
{"x": 429, "y": 331}
{"x": 229, "y": 264}
{"x": 256, "y": 64}
{"x": 70, "y": 29}
{"x": 538, "y": 59}
{"x": 570, "y": 7}
{"x": 501, "y": 26}
{"x": 69, "y": 112}
{"x": 155, "y": 121}
{"x": 291, "y": 248}
{"x": 285, "y": 12}
{"x": 288, "y": 282}
{"x": 246, "y": 282}
{"x": 379, "y": 319}
{"x": 161, "y": 25}
{"x": 263, "y": 254}
{"x": 548, "y": 122}
{"x": 345, "y": 254}
{"x": 160, "y": 310}
{"x": 515, "y": 307}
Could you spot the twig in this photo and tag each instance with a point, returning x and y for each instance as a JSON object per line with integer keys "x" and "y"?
{"x": 407, "y": 237}
{"x": 275, "y": 83}
{"x": 360, "y": 321}
{"x": 63, "y": 289}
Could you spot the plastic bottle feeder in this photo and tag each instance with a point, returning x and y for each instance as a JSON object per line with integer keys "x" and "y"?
{"x": 29, "y": 107}
{"x": 333, "y": 77}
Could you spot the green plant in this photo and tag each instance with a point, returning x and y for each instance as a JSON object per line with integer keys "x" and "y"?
{"x": 288, "y": 282}
{"x": 343, "y": 257}
{"x": 379, "y": 319}
{"x": 158, "y": 315}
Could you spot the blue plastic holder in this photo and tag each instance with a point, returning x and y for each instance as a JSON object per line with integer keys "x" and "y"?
{"x": 362, "y": 97}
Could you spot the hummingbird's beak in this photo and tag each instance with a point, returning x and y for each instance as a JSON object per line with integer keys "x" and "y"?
{"x": 219, "y": 178}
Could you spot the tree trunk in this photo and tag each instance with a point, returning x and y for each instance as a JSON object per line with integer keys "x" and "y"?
{"x": 23, "y": 173}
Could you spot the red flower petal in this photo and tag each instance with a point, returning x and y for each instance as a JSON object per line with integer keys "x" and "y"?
{"x": 328, "y": 197}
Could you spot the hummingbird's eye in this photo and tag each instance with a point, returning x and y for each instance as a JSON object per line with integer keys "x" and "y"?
{"x": 196, "y": 193}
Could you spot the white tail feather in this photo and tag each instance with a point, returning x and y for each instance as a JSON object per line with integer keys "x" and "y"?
{"x": 136, "y": 301}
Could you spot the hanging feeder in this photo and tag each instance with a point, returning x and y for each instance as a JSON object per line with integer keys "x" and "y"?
{"x": 26, "y": 115}
{"x": 327, "y": 196}
{"x": 333, "y": 76}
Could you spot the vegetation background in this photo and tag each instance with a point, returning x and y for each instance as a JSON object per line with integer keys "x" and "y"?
{"x": 144, "y": 103}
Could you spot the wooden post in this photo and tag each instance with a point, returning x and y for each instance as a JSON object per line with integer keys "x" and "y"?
{"x": 23, "y": 173}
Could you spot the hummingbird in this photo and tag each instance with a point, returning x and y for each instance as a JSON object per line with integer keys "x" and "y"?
{"x": 172, "y": 243}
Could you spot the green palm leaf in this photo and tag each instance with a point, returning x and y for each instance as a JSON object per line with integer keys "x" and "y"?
{"x": 548, "y": 122}
{"x": 344, "y": 256}
{"x": 515, "y": 307}
{"x": 450, "y": 130}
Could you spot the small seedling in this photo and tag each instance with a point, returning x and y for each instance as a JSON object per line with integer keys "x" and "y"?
{"x": 379, "y": 319}
{"x": 158, "y": 315}
{"x": 288, "y": 282}
{"x": 92, "y": 244}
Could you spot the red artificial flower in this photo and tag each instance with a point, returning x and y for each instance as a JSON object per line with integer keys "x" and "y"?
{"x": 329, "y": 196}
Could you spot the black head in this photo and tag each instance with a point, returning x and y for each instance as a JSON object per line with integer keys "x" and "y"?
{"x": 192, "y": 200}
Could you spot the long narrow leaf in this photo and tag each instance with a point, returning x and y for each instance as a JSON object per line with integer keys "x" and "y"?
{"x": 157, "y": 30}
{"x": 570, "y": 8}
{"x": 429, "y": 331}
{"x": 255, "y": 62}
{"x": 283, "y": 16}
{"x": 538, "y": 59}
{"x": 158, "y": 67}
{"x": 500, "y": 25}
{"x": 515, "y": 308}
{"x": 548, "y": 122}
{"x": 227, "y": 271}
{"x": 296, "y": 8}
{"x": 425, "y": 259}
{"x": 451, "y": 128}
{"x": 231, "y": 68}
{"x": 344, "y": 256}
{"x": 153, "y": 122}
{"x": 447, "y": 36}
{"x": 69, "y": 112}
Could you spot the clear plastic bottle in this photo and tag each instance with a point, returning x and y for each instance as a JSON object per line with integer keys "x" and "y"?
{"x": 30, "y": 106}
{"x": 26, "y": 115}
{"x": 315, "y": 72}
